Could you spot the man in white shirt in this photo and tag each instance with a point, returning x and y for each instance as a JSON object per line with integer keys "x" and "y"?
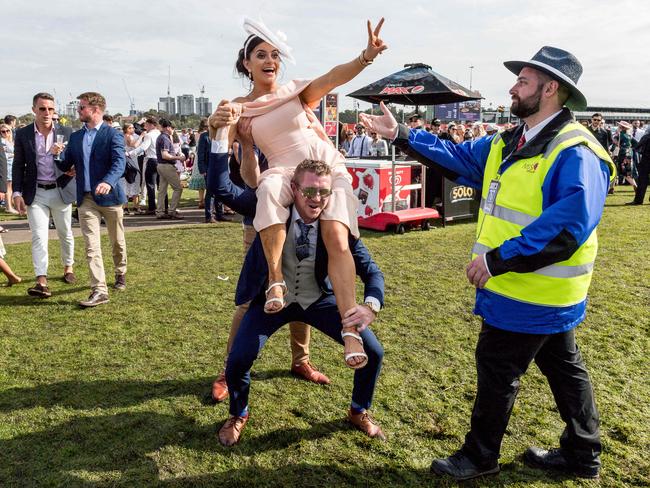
{"x": 41, "y": 190}
{"x": 360, "y": 145}
{"x": 148, "y": 148}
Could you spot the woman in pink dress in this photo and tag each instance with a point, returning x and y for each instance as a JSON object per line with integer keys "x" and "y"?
{"x": 280, "y": 121}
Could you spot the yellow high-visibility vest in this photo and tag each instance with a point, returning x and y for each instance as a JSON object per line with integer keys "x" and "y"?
{"x": 517, "y": 204}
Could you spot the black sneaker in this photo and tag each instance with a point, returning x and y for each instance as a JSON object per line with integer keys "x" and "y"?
{"x": 556, "y": 459}
{"x": 461, "y": 468}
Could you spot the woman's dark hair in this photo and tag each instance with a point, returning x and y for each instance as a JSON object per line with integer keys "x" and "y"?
{"x": 203, "y": 124}
{"x": 251, "y": 43}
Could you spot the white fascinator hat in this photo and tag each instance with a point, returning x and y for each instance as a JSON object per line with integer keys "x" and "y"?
{"x": 276, "y": 39}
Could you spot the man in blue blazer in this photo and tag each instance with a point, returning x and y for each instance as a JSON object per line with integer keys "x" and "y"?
{"x": 309, "y": 294}
{"x": 97, "y": 153}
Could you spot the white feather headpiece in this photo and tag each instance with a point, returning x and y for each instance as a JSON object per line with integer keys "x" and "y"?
{"x": 276, "y": 39}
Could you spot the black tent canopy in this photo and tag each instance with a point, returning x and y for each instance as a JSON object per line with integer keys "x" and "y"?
{"x": 417, "y": 84}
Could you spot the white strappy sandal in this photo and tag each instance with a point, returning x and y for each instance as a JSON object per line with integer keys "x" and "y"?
{"x": 350, "y": 355}
{"x": 279, "y": 300}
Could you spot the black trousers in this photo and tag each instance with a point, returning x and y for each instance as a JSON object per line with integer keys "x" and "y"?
{"x": 151, "y": 180}
{"x": 502, "y": 357}
{"x": 642, "y": 182}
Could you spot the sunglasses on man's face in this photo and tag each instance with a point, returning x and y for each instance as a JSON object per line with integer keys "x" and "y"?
{"x": 4, "y": 131}
{"x": 312, "y": 192}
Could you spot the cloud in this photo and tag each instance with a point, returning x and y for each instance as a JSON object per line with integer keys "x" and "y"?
{"x": 73, "y": 46}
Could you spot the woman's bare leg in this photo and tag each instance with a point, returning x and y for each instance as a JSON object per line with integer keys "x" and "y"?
{"x": 342, "y": 274}
{"x": 8, "y": 195}
{"x": 273, "y": 238}
{"x": 11, "y": 276}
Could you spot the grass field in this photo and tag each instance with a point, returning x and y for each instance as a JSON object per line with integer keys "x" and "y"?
{"x": 113, "y": 396}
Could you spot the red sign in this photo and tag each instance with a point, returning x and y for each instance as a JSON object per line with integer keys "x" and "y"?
{"x": 402, "y": 90}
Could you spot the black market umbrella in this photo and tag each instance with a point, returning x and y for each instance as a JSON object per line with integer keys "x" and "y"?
{"x": 417, "y": 84}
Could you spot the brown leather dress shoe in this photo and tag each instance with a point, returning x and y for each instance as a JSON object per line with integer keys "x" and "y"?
{"x": 69, "y": 278}
{"x": 366, "y": 424}
{"x": 307, "y": 371}
{"x": 220, "y": 388}
{"x": 40, "y": 291}
{"x": 95, "y": 298}
{"x": 230, "y": 431}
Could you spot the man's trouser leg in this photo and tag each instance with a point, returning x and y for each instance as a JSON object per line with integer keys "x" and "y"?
{"x": 150, "y": 178}
{"x": 62, "y": 216}
{"x": 642, "y": 184}
{"x": 501, "y": 358}
{"x": 169, "y": 175}
{"x": 114, "y": 217}
{"x": 209, "y": 201}
{"x": 89, "y": 221}
{"x": 162, "y": 191}
{"x": 560, "y": 361}
{"x": 143, "y": 186}
{"x": 38, "y": 215}
{"x": 300, "y": 335}
{"x": 255, "y": 329}
{"x": 324, "y": 316}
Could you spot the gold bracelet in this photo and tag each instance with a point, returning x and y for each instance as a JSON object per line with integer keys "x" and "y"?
{"x": 363, "y": 61}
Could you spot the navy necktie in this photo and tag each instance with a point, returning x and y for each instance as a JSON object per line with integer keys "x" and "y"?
{"x": 302, "y": 243}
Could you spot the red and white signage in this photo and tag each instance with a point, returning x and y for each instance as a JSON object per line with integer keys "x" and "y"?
{"x": 372, "y": 184}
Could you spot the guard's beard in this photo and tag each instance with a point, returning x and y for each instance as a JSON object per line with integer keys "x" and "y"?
{"x": 527, "y": 107}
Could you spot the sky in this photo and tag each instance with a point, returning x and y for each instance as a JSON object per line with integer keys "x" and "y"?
{"x": 71, "y": 46}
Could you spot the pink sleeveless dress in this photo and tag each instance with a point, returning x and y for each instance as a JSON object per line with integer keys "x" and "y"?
{"x": 288, "y": 133}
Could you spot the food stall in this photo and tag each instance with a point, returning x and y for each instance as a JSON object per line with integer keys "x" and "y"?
{"x": 389, "y": 203}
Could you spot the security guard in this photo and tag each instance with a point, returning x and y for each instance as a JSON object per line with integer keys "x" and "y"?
{"x": 544, "y": 185}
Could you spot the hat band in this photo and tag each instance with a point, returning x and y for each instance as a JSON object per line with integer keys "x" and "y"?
{"x": 553, "y": 70}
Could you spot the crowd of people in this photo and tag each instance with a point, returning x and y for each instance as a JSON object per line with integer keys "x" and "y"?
{"x": 544, "y": 184}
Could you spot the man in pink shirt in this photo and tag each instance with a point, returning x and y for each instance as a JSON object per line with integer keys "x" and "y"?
{"x": 41, "y": 190}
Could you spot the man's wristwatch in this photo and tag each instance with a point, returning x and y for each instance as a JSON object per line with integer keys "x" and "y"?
{"x": 372, "y": 306}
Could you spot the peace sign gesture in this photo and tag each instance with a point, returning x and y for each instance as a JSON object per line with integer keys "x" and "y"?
{"x": 375, "y": 44}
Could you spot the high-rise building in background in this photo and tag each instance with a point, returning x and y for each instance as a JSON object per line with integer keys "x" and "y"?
{"x": 203, "y": 106}
{"x": 167, "y": 104}
{"x": 71, "y": 109}
{"x": 185, "y": 105}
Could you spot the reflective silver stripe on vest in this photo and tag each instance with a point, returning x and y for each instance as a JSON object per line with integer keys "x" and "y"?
{"x": 565, "y": 137}
{"x": 509, "y": 215}
{"x": 480, "y": 248}
{"x": 554, "y": 270}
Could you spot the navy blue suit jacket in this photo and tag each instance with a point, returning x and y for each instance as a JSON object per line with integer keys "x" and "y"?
{"x": 254, "y": 274}
{"x": 203, "y": 152}
{"x": 25, "y": 171}
{"x": 107, "y": 164}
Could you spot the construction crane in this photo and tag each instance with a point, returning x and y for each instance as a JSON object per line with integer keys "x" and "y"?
{"x": 131, "y": 99}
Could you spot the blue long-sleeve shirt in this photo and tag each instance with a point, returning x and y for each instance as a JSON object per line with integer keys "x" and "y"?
{"x": 574, "y": 193}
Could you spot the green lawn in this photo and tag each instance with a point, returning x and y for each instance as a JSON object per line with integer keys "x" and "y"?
{"x": 113, "y": 396}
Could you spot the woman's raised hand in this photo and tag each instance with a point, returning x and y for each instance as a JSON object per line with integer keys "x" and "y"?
{"x": 375, "y": 44}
